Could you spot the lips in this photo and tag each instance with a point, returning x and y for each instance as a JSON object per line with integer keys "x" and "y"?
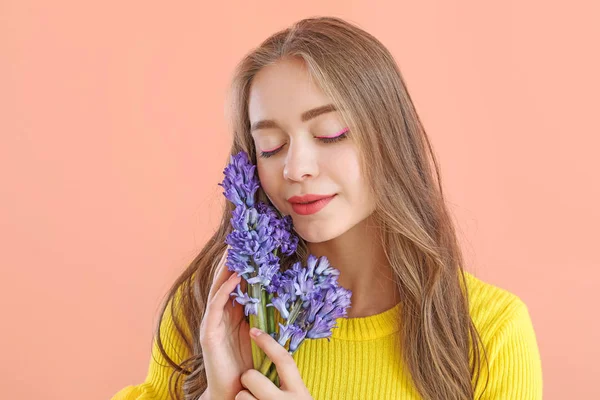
{"x": 308, "y": 198}
{"x": 317, "y": 204}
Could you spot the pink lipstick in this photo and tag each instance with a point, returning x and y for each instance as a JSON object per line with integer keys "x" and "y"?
{"x": 310, "y": 203}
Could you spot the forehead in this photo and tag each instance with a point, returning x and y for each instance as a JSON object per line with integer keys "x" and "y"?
{"x": 282, "y": 91}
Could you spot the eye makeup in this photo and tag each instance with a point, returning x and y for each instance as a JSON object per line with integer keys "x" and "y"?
{"x": 326, "y": 139}
{"x": 337, "y": 135}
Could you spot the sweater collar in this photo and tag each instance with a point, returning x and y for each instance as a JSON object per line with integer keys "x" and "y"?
{"x": 370, "y": 327}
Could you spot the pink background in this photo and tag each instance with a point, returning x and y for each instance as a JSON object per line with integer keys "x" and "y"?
{"x": 113, "y": 139}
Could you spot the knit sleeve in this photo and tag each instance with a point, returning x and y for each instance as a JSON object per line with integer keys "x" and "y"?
{"x": 156, "y": 384}
{"x": 515, "y": 371}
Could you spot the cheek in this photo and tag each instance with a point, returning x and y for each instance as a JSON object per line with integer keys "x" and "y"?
{"x": 344, "y": 169}
{"x": 265, "y": 175}
{"x": 268, "y": 181}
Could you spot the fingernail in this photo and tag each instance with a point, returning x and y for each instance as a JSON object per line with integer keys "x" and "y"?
{"x": 255, "y": 332}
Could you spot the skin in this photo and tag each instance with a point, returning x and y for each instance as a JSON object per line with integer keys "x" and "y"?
{"x": 228, "y": 370}
{"x": 224, "y": 337}
{"x": 304, "y": 164}
{"x": 259, "y": 387}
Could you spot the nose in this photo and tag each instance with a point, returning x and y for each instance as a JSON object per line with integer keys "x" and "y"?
{"x": 301, "y": 162}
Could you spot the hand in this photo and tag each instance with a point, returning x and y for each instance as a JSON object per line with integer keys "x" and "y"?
{"x": 224, "y": 336}
{"x": 259, "y": 387}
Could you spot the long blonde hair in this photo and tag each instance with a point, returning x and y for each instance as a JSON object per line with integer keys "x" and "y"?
{"x": 441, "y": 346}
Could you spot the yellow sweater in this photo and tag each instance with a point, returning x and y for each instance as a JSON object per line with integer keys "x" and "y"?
{"x": 363, "y": 360}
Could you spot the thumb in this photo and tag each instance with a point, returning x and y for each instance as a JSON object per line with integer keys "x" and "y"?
{"x": 283, "y": 360}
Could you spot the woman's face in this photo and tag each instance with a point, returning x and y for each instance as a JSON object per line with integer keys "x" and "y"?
{"x": 298, "y": 160}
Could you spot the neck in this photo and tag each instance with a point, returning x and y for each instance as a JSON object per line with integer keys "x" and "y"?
{"x": 359, "y": 256}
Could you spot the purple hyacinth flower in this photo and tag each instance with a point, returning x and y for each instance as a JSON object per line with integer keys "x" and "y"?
{"x": 259, "y": 232}
{"x": 266, "y": 271}
{"x": 297, "y": 339}
{"x": 314, "y": 307}
{"x": 310, "y": 265}
{"x": 280, "y": 303}
{"x": 343, "y": 297}
{"x": 324, "y": 268}
{"x": 304, "y": 286}
{"x": 326, "y": 282}
{"x": 249, "y": 303}
{"x": 286, "y": 285}
{"x": 283, "y": 229}
{"x": 321, "y": 328}
{"x": 289, "y": 241}
{"x": 273, "y": 287}
{"x": 338, "y": 312}
{"x": 239, "y": 263}
{"x": 326, "y": 309}
{"x": 286, "y": 332}
{"x": 267, "y": 210}
{"x": 244, "y": 219}
{"x": 240, "y": 182}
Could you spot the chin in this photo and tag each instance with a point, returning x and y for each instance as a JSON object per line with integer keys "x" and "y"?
{"x": 315, "y": 233}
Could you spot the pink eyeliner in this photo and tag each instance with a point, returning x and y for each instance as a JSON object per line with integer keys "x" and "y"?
{"x": 340, "y": 133}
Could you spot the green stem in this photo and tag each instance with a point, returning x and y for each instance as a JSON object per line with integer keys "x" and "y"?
{"x": 257, "y": 358}
{"x": 270, "y": 315}
{"x": 273, "y": 374}
{"x": 258, "y": 321}
{"x": 266, "y": 363}
{"x": 272, "y": 329}
{"x": 295, "y": 312}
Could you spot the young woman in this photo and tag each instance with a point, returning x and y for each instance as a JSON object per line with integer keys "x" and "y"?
{"x": 322, "y": 109}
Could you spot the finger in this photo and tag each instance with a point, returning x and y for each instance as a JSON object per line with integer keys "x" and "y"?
{"x": 259, "y": 385}
{"x": 284, "y": 362}
{"x": 218, "y": 302}
{"x": 222, "y": 273}
{"x": 245, "y": 395}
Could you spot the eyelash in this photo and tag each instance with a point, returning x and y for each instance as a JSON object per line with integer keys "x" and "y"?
{"x": 267, "y": 154}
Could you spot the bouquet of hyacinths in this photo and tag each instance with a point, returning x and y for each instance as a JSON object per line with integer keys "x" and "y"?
{"x": 308, "y": 299}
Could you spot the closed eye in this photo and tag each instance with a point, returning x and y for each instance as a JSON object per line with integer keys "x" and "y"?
{"x": 326, "y": 139}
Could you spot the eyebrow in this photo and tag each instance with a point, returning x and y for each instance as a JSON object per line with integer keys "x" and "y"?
{"x": 307, "y": 115}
